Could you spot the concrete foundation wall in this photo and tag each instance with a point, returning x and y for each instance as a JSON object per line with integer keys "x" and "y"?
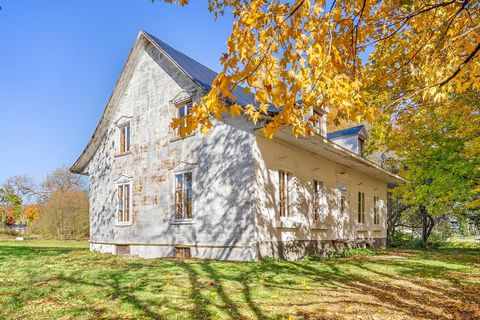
{"x": 238, "y": 253}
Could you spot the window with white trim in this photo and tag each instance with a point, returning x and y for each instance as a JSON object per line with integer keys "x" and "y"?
{"x": 285, "y": 190}
{"x": 183, "y": 196}
{"x": 317, "y": 199}
{"x": 376, "y": 210}
{"x": 124, "y": 196}
{"x": 184, "y": 109}
{"x": 125, "y": 138}
{"x": 361, "y": 207}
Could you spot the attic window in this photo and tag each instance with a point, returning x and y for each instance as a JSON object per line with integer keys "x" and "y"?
{"x": 125, "y": 138}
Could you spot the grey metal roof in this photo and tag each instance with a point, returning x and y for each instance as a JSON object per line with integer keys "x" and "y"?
{"x": 201, "y": 74}
{"x": 345, "y": 132}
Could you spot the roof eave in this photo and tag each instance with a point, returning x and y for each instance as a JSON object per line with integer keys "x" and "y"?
{"x": 384, "y": 174}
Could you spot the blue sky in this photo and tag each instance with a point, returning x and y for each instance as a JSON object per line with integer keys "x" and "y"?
{"x": 59, "y": 61}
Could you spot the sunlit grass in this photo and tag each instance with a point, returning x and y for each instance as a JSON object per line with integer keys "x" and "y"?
{"x": 55, "y": 280}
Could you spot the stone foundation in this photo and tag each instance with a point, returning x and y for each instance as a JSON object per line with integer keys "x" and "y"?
{"x": 298, "y": 249}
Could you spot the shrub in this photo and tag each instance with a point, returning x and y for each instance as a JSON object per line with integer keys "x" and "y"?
{"x": 64, "y": 215}
{"x": 406, "y": 240}
{"x": 344, "y": 253}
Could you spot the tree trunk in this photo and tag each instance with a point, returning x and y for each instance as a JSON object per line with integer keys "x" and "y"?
{"x": 395, "y": 208}
{"x": 427, "y": 224}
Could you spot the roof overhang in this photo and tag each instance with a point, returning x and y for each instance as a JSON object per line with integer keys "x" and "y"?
{"x": 329, "y": 150}
{"x": 83, "y": 160}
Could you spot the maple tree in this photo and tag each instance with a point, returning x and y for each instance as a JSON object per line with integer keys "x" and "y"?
{"x": 438, "y": 148}
{"x": 31, "y": 212}
{"x": 295, "y": 55}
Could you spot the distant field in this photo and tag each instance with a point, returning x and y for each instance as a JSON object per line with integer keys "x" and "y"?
{"x": 63, "y": 280}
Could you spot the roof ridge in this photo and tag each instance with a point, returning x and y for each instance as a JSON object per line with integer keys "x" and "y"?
{"x": 345, "y": 132}
{"x": 198, "y": 72}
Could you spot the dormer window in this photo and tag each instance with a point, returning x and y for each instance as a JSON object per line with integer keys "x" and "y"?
{"x": 361, "y": 145}
{"x": 319, "y": 122}
{"x": 125, "y": 138}
{"x": 184, "y": 109}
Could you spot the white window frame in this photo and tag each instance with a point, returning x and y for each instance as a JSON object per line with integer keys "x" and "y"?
{"x": 185, "y": 106}
{"x": 192, "y": 200}
{"x": 285, "y": 190}
{"x": 361, "y": 207}
{"x": 361, "y": 146}
{"x": 318, "y": 200}
{"x": 130, "y": 192}
{"x": 318, "y": 125}
{"x": 125, "y": 138}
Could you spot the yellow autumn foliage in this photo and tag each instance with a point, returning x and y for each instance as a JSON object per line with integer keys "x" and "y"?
{"x": 298, "y": 54}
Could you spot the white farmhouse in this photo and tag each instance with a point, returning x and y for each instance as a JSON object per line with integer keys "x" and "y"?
{"x": 232, "y": 194}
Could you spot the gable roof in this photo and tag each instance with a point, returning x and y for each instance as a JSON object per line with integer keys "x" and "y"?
{"x": 197, "y": 72}
{"x": 346, "y": 132}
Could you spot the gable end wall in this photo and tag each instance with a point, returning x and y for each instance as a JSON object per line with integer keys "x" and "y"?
{"x": 221, "y": 162}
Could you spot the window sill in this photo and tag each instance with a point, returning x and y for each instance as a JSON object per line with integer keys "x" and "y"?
{"x": 177, "y": 138}
{"x": 123, "y": 224}
{"x": 317, "y": 225}
{"x": 121, "y": 154}
{"x": 287, "y": 223}
{"x": 183, "y": 221}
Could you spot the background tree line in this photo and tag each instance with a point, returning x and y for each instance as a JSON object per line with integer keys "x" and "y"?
{"x": 57, "y": 207}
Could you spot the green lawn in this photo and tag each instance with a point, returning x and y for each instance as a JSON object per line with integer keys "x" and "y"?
{"x": 63, "y": 280}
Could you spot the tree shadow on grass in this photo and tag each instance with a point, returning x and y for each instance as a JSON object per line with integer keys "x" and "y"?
{"x": 408, "y": 285}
